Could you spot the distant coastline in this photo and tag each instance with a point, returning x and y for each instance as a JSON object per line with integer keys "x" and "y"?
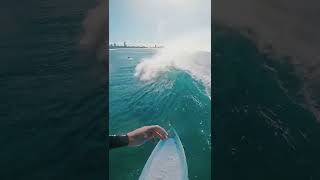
{"x": 116, "y": 46}
{"x": 134, "y": 47}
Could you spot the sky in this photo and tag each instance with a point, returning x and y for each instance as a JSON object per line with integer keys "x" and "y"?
{"x": 156, "y": 21}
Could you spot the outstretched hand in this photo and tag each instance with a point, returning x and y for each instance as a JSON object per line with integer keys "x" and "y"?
{"x": 144, "y": 134}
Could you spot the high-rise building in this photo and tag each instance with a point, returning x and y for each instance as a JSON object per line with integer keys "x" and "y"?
{"x": 125, "y": 44}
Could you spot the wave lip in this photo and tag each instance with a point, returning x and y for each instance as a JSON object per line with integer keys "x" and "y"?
{"x": 190, "y": 54}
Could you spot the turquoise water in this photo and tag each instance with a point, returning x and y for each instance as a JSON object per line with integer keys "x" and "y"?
{"x": 173, "y": 98}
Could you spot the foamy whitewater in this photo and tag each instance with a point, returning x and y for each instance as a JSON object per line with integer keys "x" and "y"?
{"x": 190, "y": 53}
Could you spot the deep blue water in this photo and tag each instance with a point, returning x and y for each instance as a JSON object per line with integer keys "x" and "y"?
{"x": 53, "y": 101}
{"x": 261, "y": 127}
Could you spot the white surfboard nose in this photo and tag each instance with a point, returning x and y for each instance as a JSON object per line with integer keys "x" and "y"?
{"x": 167, "y": 161}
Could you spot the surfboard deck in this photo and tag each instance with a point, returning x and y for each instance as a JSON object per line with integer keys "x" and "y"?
{"x": 167, "y": 161}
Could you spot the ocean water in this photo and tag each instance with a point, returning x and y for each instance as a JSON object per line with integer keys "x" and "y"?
{"x": 53, "y": 107}
{"x": 261, "y": 126}
{"x": 153, "y": 88}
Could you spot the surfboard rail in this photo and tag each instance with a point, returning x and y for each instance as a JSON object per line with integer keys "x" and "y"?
{"x": 167, "y": 160}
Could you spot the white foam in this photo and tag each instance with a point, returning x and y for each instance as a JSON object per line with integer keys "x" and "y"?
{"x": 190, "y": 52}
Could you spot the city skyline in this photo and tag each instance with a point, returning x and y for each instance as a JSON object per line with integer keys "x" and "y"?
{"x": 126, "y": 45}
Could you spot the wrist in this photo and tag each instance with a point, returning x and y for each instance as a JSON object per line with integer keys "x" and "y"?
{"x": 130, "y": 139}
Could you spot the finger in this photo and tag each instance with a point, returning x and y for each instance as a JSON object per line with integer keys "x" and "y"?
{"x": 162, "y": 131}
{"x": 157, "y": 134}
{"x": 163, "y": 136}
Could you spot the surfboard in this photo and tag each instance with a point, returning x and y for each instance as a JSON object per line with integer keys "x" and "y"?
{"x": 167, "y": 161}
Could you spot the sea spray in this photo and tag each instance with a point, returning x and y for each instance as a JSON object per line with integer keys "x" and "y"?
{"x": 190, "y": 53}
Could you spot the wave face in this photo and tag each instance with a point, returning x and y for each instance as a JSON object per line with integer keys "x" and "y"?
{"x": 189, "y": 53}
{"x": 170, "y": 92}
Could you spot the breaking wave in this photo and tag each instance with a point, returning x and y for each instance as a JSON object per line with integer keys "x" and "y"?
{"x": 190, "y": 53}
